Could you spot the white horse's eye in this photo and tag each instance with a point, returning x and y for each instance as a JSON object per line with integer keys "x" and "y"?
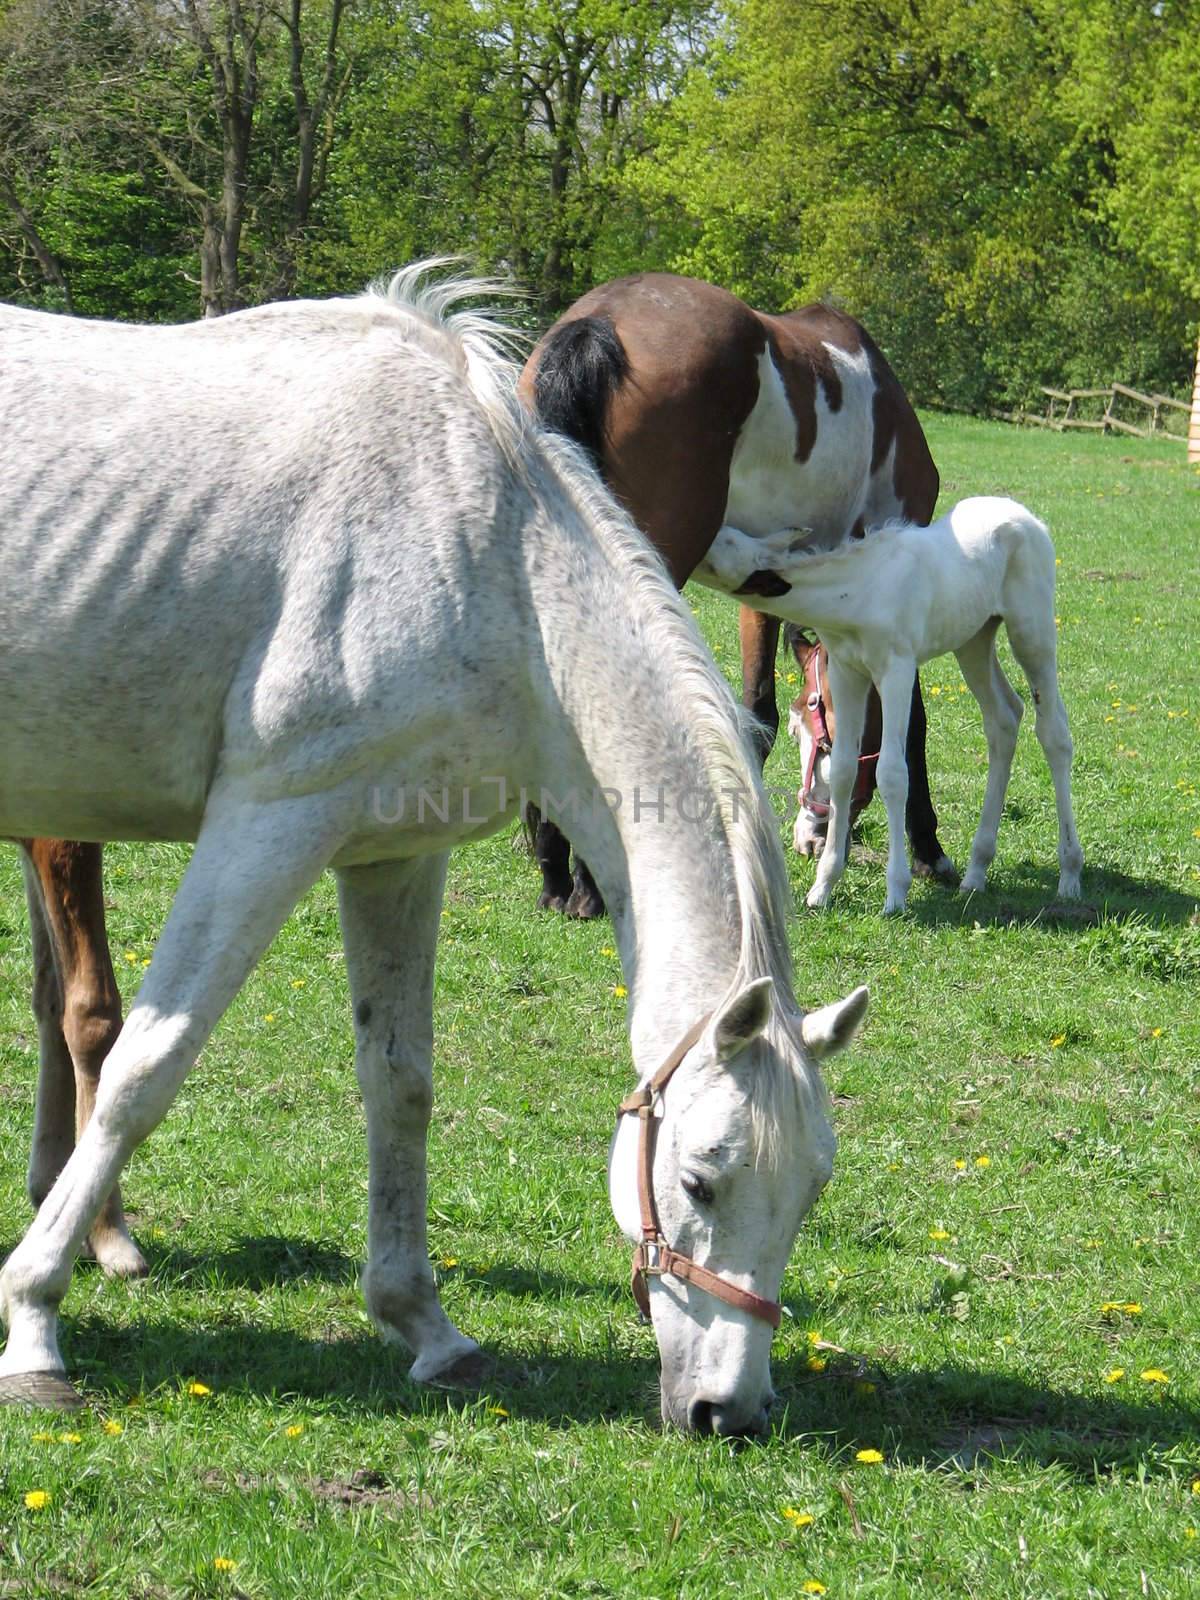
{"x": 698, "y": 1188}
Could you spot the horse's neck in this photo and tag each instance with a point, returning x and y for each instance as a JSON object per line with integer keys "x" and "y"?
{"x": 617, "y": 754}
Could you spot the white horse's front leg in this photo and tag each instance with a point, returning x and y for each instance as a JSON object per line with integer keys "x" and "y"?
{"x": 390, "y": 918}
{"x": 848, "y": 690}
{"x": 891, "y": 774}
{"x": 250, "y": 866}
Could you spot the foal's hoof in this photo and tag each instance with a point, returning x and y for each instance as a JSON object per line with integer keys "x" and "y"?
{"x": 469, "y": 1371}
{"x": 942, "y": 870}
{"x": 119, "y": 1257}
{"x": 42, "y": 1391}
{"x": 552, "y": 901}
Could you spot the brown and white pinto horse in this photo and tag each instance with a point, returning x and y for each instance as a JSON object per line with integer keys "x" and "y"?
{"x": 700, "y": 411}
{"x": 813, "y": 725}
{"x": 77, "y": 1006}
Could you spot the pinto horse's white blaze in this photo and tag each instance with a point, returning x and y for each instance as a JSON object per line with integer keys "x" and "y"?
{"x": 887, "y": 603}
{"x": 243, "y": 622}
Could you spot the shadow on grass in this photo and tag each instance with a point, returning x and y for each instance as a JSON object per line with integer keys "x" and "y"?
{"x": 1026, "y": 896}
{"x": 944, "y": 1418}
{"x": 263, "y": 1262}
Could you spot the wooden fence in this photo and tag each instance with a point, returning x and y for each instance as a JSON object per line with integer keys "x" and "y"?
{"x": 1097, "y": 409}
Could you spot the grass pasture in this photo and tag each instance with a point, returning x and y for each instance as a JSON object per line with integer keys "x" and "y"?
{"x": 998, "y": 1292}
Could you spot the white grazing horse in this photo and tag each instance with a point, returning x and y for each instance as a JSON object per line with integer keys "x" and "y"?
{"x": 884, "y": 604}
{"x": 302, "y": 586}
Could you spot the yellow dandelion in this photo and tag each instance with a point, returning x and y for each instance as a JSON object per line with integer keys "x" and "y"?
{"x": 1058, "y": 1039}
{"x": 811, "y": 1586}
{"x": 37, "y": 1500}
{"x": 608, "y": 951}
{"x": 959, "y": 1164}
{"x": 1156, "y": 1033}
{"x": 817, "y": 1363}
{"x": 869, "y": 1458}
{"x": 1115, "y": 1375}
{"x": 864, "y": 1386}
{"x": 1189, "y": 1533}
{"x": 70, "y": 1438}
{"x": 983, "y": 1161}
{"x": 813, "y": 1336}
{"x": 113, "y": 1427}
{"x": 298, "y": 983}
{"x": 449, "y": 1261}
{"x": 498, "y": 1411}
{"x": 1196, "y": 1485}
{"x": 223, "y": 1564}
{"x": 935, "y": 688}
{"x": 798, "y": 1519}
{"x": 43, "y": 1438}
{"x": 197, "y": 1389}
{"x": 620, "y": 991}
{"x": 939, "y": 1234}
{"x": 791, "y": 677}
{"x": 1155, "y": 1375}
{"x": 294, "y": 1432}
{"x": 270, "y": 1017}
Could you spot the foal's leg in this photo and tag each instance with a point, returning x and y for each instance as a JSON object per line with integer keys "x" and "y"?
{"x": 552, "y": 852}
{"x": 72, "y": 887}
{"x": 891, "y": 775}
{"x": 1002, "y": 708}
{"x": 1035, "y": 648}
{"x": 250, "y": 866}
{"x": 390, "y": 926}
{"x": 849, "y": 691}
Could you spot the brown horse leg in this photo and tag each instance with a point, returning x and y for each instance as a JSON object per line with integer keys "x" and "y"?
{"x": 586, "y": 901}
{"x": 54, "y": 1117}
{"x": 70, "y": 879}
{"x": 929, "y": 860}
{"x": 552, "y": 852}
{"x": 759, "y": 637}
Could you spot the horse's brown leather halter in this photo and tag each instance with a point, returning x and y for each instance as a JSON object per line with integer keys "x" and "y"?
{"x": 653, "y": 1256}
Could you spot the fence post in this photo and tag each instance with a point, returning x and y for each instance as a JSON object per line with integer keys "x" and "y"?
{"x": 1194, "y": 426}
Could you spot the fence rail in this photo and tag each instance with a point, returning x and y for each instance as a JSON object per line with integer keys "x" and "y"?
{"x": 1063, "y": 407}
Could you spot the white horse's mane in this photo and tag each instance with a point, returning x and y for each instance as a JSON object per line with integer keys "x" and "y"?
{"x": 479, "y": 345}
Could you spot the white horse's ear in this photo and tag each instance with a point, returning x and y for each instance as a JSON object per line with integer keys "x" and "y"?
{"x": 740, "y": 1020}
{"x": 831, "y": 1029}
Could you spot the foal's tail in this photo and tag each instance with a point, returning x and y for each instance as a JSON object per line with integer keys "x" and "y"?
{"x": 581, "y": 366}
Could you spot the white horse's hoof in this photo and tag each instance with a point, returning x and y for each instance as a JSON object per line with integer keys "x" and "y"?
{"x": 818, "y": 897}
{"x": 974, "y": 881}
{"x": 893, "y": 906}
{"x": 43, "y": 1391}
{"x": 467, "y": 1369}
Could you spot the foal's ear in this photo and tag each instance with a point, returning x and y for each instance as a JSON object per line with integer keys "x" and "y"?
{"x": 740, "y": 1020}
{"x": 831, "y": 1029}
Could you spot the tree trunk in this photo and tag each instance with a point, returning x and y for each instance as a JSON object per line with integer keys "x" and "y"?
{"x": 1194, "y": 428}
{"x": 52, "y": 268}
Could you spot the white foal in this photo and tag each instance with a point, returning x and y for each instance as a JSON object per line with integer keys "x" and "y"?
{"x": 885, "y": 604}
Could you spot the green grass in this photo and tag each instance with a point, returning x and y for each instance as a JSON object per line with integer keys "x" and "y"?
{"x": 1067, "y": 1053}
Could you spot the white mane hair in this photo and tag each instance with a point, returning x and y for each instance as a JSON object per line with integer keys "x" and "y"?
{"x": 477, "y": 344}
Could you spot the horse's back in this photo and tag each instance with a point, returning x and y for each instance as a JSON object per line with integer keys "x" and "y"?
{"x": 220, "y": 540}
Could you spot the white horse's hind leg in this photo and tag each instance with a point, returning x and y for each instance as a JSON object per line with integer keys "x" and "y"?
{"x": 1001, "y": 707}
{"x": 390, "y": 925}
{"x": 849, "y": 691}
{"x": 1035, "y": 648}
{"x": 891, "y": 774}
{"x": 250, "y": 866}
